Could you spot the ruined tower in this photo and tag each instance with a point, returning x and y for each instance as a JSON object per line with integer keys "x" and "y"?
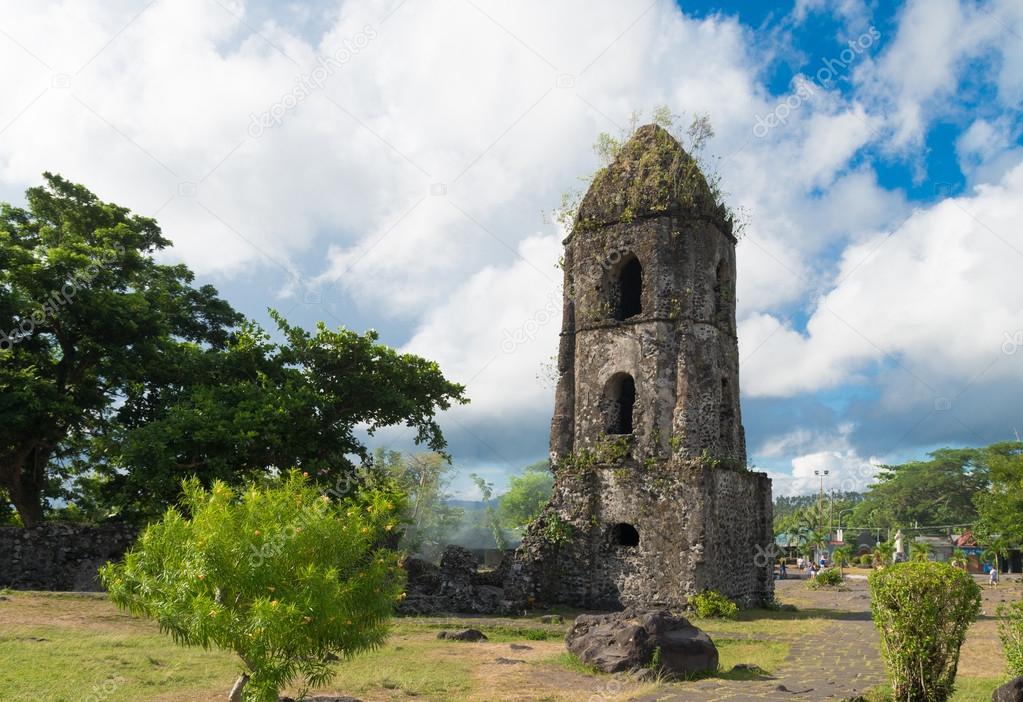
{"x": 652, "y": 499}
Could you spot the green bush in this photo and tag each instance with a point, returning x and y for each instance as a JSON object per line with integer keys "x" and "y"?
{"x": 1010, "y": 629}
{"x": 866, "y": 560}
{"x": 712, "y": 604}
{"x": 922, "y": 610}
{"x": 287, "y": 578}
{"x": 829, "y": 577}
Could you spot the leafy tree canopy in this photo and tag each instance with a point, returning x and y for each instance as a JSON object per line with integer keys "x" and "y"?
{"x": 937, "y": 491}
{"x": 527, "y": 494}
{"x": 85, "y": 313}
{"x": 1000, "y": 509}
{"x": 261, "y": 404}
{"x": 120, "y": 374}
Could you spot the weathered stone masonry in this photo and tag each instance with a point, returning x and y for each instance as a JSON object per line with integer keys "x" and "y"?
{"x": 60, "y": 555}
{"x": 652, "y": 501}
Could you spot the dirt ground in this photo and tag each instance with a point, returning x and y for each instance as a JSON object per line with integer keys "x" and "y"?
{"x": 70, "y": 648}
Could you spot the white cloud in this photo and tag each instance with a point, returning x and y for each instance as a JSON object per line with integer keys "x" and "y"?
{"x": 414, "y": 177}
{"x": 936, "y": 299}
{"x": 847, "y": 471}
{"x": 936, "y": 43}
{"x": 987, "y": 149}
{"x": 498, "y": 331}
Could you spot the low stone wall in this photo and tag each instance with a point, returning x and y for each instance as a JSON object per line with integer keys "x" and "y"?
{"x": 60, "y": 555}
{"x": 457, "y": 585}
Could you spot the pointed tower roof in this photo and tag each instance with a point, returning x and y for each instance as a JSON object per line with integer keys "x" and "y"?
{"x": 651, "y": 176}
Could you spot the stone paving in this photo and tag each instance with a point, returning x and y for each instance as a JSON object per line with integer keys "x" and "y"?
{"x": 840, "y": 661}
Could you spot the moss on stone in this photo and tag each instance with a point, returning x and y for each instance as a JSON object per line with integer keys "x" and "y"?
{"x": 652, "y": 175}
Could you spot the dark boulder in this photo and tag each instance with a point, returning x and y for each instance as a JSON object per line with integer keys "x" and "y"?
{"x": 464, "y": 635}
{"x": 1011, "y": 691}
{"x": 627, "y": 640}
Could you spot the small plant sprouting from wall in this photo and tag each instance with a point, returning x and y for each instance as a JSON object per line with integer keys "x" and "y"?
{"x": 706, "y": 459}
{"x": 557, "y": 531}
{"x": 684, "y": 177}
{"x": 610, "y": 450}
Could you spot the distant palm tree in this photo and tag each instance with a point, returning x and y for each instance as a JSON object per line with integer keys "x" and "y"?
{"x": 842, "y": 557}
{"x": 996, "y": 549}
{"x": 815, "y": 542}
{"x": 920, "y": 551}
{"x": 883, "y": 553}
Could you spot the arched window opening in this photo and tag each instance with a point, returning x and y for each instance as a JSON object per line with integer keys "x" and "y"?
{"x": 624, "y": 535}
{"x": 620, "y": 400}
{"x": 629, "y": 289}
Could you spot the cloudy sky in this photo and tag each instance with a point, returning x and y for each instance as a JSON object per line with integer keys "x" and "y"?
{"x": 392, "y": 164}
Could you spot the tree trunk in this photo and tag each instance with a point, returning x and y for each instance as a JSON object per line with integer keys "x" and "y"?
{"x": 239, "y": 688}
{"x": 24, "y": 486}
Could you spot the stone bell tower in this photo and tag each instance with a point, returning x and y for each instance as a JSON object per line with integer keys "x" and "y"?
{"x": 652, "y": 499}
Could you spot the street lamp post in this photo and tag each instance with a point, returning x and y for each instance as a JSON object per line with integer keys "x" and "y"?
{"x": 820, "y": 500}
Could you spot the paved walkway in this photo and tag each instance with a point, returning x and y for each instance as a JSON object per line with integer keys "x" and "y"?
{"x": 838, "y": 662}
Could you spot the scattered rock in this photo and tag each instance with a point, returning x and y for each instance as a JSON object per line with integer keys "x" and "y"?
{"x": 4, "y": 598}
{"x": 552, "y": 619}
{"x": 508, "y": 661}
{"x": 520, "y": 647}
{"x": 643, "y": 675}
{"x": 782, "y": 688}
{"x": 1011, "y": 691}
{"x": 627, "y": 640}
{"x": 464, "y": 635}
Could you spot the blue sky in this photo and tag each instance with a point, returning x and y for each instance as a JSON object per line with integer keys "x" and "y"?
{"x": 388, "y": 164}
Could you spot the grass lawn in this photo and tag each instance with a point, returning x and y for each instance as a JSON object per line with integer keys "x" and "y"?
{"x": 79, "y": 648}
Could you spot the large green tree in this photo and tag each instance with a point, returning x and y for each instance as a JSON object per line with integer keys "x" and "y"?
{"x": 116, "y": 371}
{"x": 937, "y": 491}
{"x": 85, "y": 314}
{"x": 304, "y": 401}
{"x": 1001, "y": 507}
